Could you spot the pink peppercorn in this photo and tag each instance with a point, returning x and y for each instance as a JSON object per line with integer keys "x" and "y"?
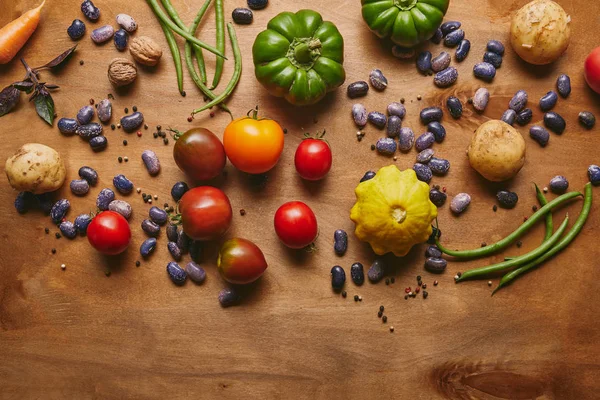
{"x": 139, "y": 133}
{"x": 407, "y": 290}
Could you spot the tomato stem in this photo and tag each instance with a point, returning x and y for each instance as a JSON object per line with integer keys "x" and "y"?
{"x": 177, "y": 134}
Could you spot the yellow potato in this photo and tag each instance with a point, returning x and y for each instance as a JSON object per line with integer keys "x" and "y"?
{"x": 35, "y": 168}
{"x": 540, "y": 32}
{"x": 497, "y": 151}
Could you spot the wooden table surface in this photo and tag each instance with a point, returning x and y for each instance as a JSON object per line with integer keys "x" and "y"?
{"x": 78, "y": 334}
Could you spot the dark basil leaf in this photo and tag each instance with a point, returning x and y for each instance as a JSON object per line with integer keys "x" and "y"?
{"x": 44, "y": 105}
{"x": 25, "y": 86}
{"x": 9, "y": 97}
{"x": 58, "y": 60}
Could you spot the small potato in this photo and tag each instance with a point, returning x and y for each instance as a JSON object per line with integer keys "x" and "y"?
{"x": 35, "y": 168}
{"x": 540, "y": 32}
{"x": 497, "y": 151}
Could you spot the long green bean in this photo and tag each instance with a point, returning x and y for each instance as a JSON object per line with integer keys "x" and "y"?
{"x": 220, "y": 17}
{"x": 183, "y": 33}
{"x": 549, "y": 224}
{"x": 517, "y": 261}
{"x": 237, "y": 72}
{"x": 175, "y": 17}
{"x": 492, "y": 248}
{"x": 175, "y": 54}
{"x": 569, "y": 237}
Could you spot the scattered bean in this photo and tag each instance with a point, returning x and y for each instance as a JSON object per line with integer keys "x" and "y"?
{"x": 172, "y": 233}
{"x": 183, "y": 241}
{"x": 435, "y": 265}
{"x": 587, "y": 119}
{"x": 540, "y": 135}
{"x": 122, "y": 207}
{"x": 195, "y": 272}
{"x": 59, "y": 210}
{"x": 174, "y": 250}
{"x": 454, "y": 106}
{"x": 102, "y": 34}
{"x": 484, "y": 71}
{"x": 151, "y": 162}
{"x": 98, "y": 143}
{"x": 509, "y": 116}
{"x": 340, "y": 242}
{"x": 104, "y": 198}
{"x": 85, "y": 115}
{"x": 76, "y": 30}
{"x": 21, "y": 202}
{"x": 386, "y": 146}
{"x": 147, "y": 247}
{"x": 133, "y": 121}
{"x": 446, "y": 77}
{"x": 433, "y": 251}
{"x": 378, "y": 80}
{"x": 493, "y": 58}
{"x": 594, "y": 175}
{"x": 104, "y": 110}
{"x": 518, "y": 101}
{"x": 229, "y": 297}
{"x": 441, "y": 62}
{"x": 559, "y": 184}
{"x": 242, "y": 16}
{"x": 79, "y": 187}
{"x": 460, "y": 202}
{"x": 424, "y": 141}
{"x": 449, "y": 26}
{"x": 121, "y": 38}
{"x": 424, "y": 62}
{"x": 67, "y": 126}
{"x": 338, "y": 278}
{"x": 453, "y": 38}
{"x": 378, "y": 119}
{"x": 90, "y": 10}
{"x": 439, "y": 166}
{"x": 555, "y": 122}
{"x": 481, "y": 99}
{"x": 122, "y": 184}
{"x": 394, "y": 125}
{"x": 157, "y": 215}
{"x": 406, "y": 139}
{"x": 126, "y": 22}
{"x": 548, "y": 101}
{"x": 424, "y": 156}
{"x": 524, "y": 116}
{"x": 67, "y": 229}
{"x": 423, "y": 172}
{"x": 437, "y": 197}
{"x": 438, "y": 130}
{"x": 462, "y": 51}
{"x": 563, "y": 85}
{"x": 196, "y": 248}
{"x": 81, "y": 223}
{"x": 507, "y": 199}
{"x": 89, "y": 131}
{"x": 430, "y": 114}
{"x": 357, "y": 273}
{"x": 396, "y": 109}
{"x": 403, "y": 53}
{"x": 176, "y": 273}
{"x": 376, "y": 272}
{"x": 45, "y": 202}
{"x": 178, "y": 190}
{"x": 358, "y": 89}
{"x": 359, "y": 114}
{"x": 495, "y": 46}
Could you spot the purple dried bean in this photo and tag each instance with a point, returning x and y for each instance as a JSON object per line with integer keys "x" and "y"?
{"x": 406, "y": 139}
{"x": 89, "y": 174}
{"x": 484, "y": 71}
{"x": 102, "y": 34}
{"x": 340, "y": 242}
{"x": 85, "y": 115}
{"x": 195, "y": 272}
{"x": 441, "y": 62}
{"x": 481, "y": 99}
{"x": 59, "y": 210}
{"x": 358, "y": 89}
{"x": 424, "y": 156}
{"x": 338, "y": 277}
{"x": 67, "y": 126}
{"x": 394, "y": 125}
{"x": 423, "y": 172}
{"x": 177, "y": 275}
{"x": 122, "y": 207}
{"x": 151, "y": 162}
{"x": 378, "y": 80}
{"x": 539, "y": 134}
{"x": 378, "y": 119}
{"x": 67, "y": 229}
{"x": 104, "y": 198}
{"x": 357, "y": 273}
{"x": 151, "y": 228}
{"x": 424, "y": 141}
{"x": 446, "y": 77}
{"x": 122, "y": 184}
{"x": 386, "y": 146}
{"x": 454, "y": 106}
{"x": 147, "y": 247}
{"x": 462, "y": 51}
{"x": 396, "y": 109}
{"x": 79, "y": 187}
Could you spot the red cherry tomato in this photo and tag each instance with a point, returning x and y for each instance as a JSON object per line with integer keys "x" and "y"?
{"x": 205, "y": 213}
{"x": 240, "y": 261}
{"x": 313, "y": 159}
{"x": 592, "y": 70}
{"x": 296, "y": 224}
{"x": 109, "y": 233}
{"x": 199, "y": 153}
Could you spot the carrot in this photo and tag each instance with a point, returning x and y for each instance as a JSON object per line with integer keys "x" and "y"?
{"x": 15, "y": 34}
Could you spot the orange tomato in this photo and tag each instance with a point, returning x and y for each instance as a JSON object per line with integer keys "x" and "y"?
{"x": 253, "y": 145}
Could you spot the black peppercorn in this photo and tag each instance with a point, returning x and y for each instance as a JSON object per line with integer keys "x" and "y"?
{"x": 381, "y": 308}
{"x": 392, "y": 279}
{"x": 126, "y": 110}
{"x": 124, "y": 142}
{"x": 155, "y": 134}
{"x": 134, "y": 108}
{"x": 425, "y": 294}
{"x": 53, "y": 251}
{"x": 137, "y": 263}
{"x": 379, "y": 314}
{"x": 384, "y": 319}
{"x": 120, "y": 159}
{"x": 372, "y": 147}
{"x": 344, "y": 294}
{"x": 166, "y": 140}
{"x": 47, "y": 230}
{"x": 355, "y": 297}
{"x": 57, "y": 235}
{"x": 112, "y": 126}
{"x": 495, "y": 208}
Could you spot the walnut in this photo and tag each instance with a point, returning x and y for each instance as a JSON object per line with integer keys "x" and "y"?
{"x": 145, "y": 50}
{"x": 121, "y": 72}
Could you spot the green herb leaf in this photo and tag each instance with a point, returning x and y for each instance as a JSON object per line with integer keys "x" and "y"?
{"x": 44, "y": 105}
{"x": 58, "y": 60}
{"x": 9, "y": 97}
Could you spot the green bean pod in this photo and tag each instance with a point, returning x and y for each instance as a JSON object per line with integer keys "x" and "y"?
{"x": 569, "y": 237}
{"x": 198, "y": 50}
{"x": 175, "y": 54}
{"x": 183, "y": 33}
{"x": 237, "y": 72}
{"x": 506, "y": 265}
{"x": 501, "y": 244}
{"x": 220, "y": 17}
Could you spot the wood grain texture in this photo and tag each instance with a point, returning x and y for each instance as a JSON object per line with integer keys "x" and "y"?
{"x": 77, "y": 334}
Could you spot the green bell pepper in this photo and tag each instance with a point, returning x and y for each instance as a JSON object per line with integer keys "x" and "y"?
{"x": 406, "y": 22}
{"x": 299, "y": 57}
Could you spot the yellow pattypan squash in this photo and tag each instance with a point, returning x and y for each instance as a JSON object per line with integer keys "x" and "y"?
{"x": 393, "y": 211}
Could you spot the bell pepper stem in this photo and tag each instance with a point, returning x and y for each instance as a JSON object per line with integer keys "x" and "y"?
{"x": 304, "y": 51}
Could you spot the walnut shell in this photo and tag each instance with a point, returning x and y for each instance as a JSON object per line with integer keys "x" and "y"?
{"x": 145, "y": 50}
{"x": 121, "y": 72}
